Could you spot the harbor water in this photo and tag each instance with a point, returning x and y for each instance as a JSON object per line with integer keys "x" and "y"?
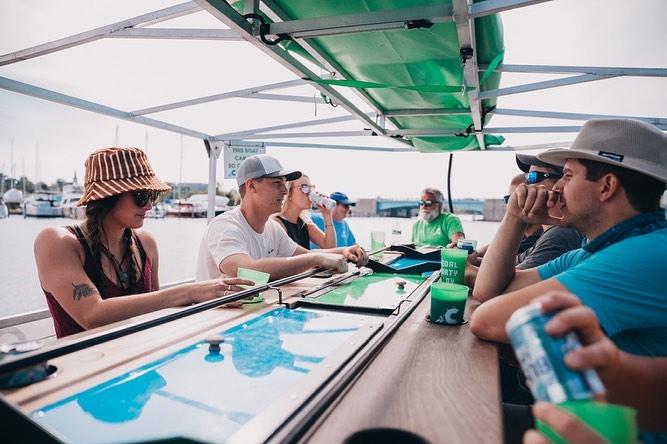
{"x": 178, "y": 242}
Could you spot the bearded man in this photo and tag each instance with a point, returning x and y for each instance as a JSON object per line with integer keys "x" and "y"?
{"x": 434, "y": 226}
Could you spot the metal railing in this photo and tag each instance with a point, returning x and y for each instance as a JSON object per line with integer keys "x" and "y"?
{"x": 44, "y": 313}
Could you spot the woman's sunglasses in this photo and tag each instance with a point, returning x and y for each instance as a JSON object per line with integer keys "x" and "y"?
{"x": 305, "y": 188}
{"x": 536, "y": 177}
{"x": 141, "y": 198}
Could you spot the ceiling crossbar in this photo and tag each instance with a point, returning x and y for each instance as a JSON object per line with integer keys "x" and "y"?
{"x": 215, "y": 97}
{"x": 176, "y": 34}
{"x": 75, "y": 102}
{"x": 150, "y": 18}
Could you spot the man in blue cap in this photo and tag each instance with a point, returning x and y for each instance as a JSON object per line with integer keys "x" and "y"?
{"x": 344, "y": 236}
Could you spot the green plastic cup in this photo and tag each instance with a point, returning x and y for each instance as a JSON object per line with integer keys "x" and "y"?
{"x": 453, "y": 265}
{"x": 448, "y": 302}
{"x": 258, "y": 277}
{"x": 617, "y": 424}
{"x": 377, "y": 241}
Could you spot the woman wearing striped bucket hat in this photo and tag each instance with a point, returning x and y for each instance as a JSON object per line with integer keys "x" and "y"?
{"x": 102, "y": 270}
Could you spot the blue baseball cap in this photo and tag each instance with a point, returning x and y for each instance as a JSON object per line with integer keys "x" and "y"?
{"x": 341, "y": 198}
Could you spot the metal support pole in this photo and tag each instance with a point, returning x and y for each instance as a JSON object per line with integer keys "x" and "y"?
{"x": 449, "y": 182}
{"x": 213, "y": 153}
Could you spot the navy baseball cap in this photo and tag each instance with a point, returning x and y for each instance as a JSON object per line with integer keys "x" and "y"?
{"x": 341, "y": 198}
{"x": 524, "y": 161}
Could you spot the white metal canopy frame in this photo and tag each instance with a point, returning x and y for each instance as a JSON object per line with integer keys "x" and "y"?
{"x": 461, "y": 12}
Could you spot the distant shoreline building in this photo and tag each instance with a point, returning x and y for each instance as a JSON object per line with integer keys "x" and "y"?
{"x": 379, "y": 207}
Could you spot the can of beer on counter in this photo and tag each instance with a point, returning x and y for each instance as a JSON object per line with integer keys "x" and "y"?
{"x": 542, "y": 358}
{"x": 465, "y": 244}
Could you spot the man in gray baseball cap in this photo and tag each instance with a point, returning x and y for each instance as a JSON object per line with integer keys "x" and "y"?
{"x": 263, "y": 165}
{"x": 614, "y": 175}
{"x": 247, "y": 237}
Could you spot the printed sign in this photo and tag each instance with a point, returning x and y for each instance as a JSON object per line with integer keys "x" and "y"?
{"x": 233, "y": 156}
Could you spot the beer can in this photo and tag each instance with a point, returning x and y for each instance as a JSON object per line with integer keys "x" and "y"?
{"x": 542, "y": 359}
{"x": 464, "y": 244}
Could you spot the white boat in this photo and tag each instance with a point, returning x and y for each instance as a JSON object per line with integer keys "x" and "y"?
{"x": 157, "y": 212}
{"x": 71, "y": 195}
{"x": 43, "y": 204}
{"x": 13, "y": 198}
{"x": 182, "y": 208}
{"x": 201, "y": 203}
{"x": 4, "y": 212}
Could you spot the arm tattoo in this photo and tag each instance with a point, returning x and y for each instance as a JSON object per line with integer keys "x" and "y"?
{"x": 82, "y": 291}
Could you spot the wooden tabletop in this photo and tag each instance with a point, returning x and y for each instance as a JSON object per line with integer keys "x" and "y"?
{"x": 85, "y": 368}
{"x": 436, "y": 381}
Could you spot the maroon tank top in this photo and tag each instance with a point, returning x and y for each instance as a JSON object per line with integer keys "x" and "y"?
{"x": 64, "y": 324}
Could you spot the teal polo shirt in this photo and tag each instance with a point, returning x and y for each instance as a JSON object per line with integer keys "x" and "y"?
{"x": 625, "y": 284}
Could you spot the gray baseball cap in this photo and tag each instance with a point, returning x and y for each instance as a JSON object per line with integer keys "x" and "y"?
{"x": 626, "y": 143}
{"x": 263, "y": 165}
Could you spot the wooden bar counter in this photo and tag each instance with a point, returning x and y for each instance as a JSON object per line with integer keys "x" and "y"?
{"x": 436, "y": 381}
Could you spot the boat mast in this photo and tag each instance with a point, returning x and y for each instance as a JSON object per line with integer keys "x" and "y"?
{"x": 37, "y": 168}
{"x": 12, "y": 168}
{"x": 23, "y": 174}
{"x": 180, "y": 170}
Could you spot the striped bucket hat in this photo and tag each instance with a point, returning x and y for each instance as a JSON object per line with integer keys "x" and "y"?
{"x": 113, "y": 171}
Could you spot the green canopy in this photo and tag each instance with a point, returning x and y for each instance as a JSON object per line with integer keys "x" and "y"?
{"x": 409, "y": 68}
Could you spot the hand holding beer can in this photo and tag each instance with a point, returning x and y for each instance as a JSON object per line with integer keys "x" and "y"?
{"x": 542, "y": 359}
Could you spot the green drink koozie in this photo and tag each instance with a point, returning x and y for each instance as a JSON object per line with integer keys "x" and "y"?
{"x": 617, "y": 424}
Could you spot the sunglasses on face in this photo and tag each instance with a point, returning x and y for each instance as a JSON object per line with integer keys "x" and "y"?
{"x": 141, "y": 198}
{"x": 426, "y": 203}
{"x": 305, "y": 188}
{"x": 536, "y": 177}
{"x": 506, "y": 198}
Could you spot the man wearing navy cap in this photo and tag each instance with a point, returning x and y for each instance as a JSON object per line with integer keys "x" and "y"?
{"x": 614, "y": 175}
{"x": 344, "y": 236}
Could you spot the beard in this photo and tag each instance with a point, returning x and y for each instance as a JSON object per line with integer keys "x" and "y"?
{"x": 429, "y": 216}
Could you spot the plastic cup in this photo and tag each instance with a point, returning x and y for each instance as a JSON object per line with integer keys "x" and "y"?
{"x": 377, "y": 240}
{"x": 617, "y": 424}
{"x": 258, "y": 277}
{"x": 448, "y": 302}
{"x": 453, "y": 265}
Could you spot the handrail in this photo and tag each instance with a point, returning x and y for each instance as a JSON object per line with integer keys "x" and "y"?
{"x": 44, "y": 313}
{"x": 24, "y": 318}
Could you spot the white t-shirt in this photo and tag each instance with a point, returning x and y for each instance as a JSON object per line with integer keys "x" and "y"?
{"x": 230, "y": 233}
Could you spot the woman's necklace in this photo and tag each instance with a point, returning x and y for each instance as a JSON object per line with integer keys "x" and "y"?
{"x": 123, "y": 276}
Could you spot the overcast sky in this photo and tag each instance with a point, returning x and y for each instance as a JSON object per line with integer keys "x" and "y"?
{"x": 134, "y": 74}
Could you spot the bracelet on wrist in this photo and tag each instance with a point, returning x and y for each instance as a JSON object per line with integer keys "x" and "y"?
{"x": 326, "y": 226}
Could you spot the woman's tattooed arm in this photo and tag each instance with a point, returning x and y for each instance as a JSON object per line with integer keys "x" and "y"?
{"x": 82, "y": 291}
